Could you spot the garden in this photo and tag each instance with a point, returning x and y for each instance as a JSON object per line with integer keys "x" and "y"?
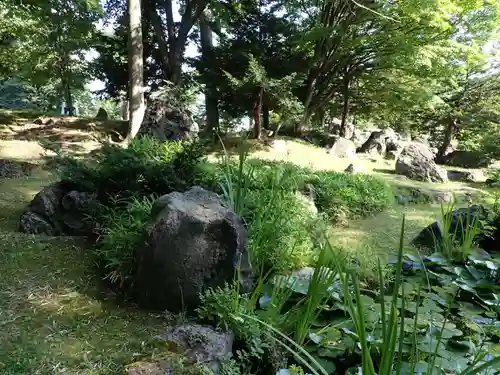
{"x": 311, "y": 307}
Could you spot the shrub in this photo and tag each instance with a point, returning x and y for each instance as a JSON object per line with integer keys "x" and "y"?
{"x": 224, "y": 307}
{"x": 145, "y": 167}
{"x": 280, "y": 231}
{"x": 356, "y": 195}
{"x": 122, "y": 234}
{"x": 279, "y": 236}
{"x": 494, "y": 176}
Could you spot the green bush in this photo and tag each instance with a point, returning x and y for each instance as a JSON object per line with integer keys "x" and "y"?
{"x": 122, "y": 234}
{"x": 279, "y": 231}
{"x": 145, "y": 167}
{"x": 280, "y": 223}
{"x": 494, "y": 175}
{"x": 355, "y": 194}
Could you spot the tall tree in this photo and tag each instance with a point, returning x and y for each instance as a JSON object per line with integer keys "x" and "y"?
{"x": 136, "y": 95}
{"x": 52, "y": 38}
{"x": 164, "y": 42}
{"x": 207, "y": 51}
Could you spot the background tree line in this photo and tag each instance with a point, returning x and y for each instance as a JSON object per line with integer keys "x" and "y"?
{"x": 294, "y": 64}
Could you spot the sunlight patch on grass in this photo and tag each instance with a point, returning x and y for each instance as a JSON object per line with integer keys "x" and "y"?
{"x": 375, "y": 237}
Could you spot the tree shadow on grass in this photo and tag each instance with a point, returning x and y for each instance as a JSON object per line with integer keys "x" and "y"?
{"x": 385, "y": 171}
{"x": 55, "y": 317}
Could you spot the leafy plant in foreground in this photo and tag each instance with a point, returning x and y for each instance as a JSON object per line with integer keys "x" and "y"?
{"x": 457, "y": 240}
{"x": 235, "y": 181}
{"x": 386, "y": 355}
{"x": 123, "y": 232}
{"x": 279, "y": 223}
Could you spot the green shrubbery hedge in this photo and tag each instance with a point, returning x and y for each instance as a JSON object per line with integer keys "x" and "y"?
{"x": 280, "y": 223}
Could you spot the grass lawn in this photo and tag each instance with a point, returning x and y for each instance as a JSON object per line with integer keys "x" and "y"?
{"x": 52, "y": 318}
{"x": 375, "y": 237}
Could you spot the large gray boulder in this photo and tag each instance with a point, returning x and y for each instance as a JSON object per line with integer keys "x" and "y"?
{"x": 165, "y": 121}
{"x": 193, "y": 241}
{"x": 416, "y": 162}
{"x": 343, "y": 148}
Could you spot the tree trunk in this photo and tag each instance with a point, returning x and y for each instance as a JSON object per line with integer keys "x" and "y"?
{"x": 299, "y": 126}
{"x": 156, "y": 22}
{"x": 257, "y": 130}
{"x": 451, "y": 126}
{"x": 321, "y": 117}
{"x": 304, "y": 123}
{"x": 68, "y": 97}
{"x": 65, "y": 79}
{"x": 345, "y": 106}
{"x": 136, "y": 68}
{"x": 211, "y": 102}
{"x": 265, "y": 117}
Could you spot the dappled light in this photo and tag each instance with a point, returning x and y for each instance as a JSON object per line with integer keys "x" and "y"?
{"x": 249, "y": 188}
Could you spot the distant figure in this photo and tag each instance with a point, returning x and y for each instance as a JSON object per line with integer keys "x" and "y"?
{"x": 65, "y": 110}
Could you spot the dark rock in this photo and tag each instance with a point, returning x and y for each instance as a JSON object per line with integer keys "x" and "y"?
{"x": 48, "y": 201}
{"x": 101, "y": 114}
{"x": 491, "y": 241}
{"x": 416, "y": 161}
{"x": 79, "y": 201}
{"x": 194, "y": 241}
{"x": 32, "y": 223}
{"x": 466, "y": 159}
{"x": 433, "y": 234}
{"x": 15, "y": 168}
{"x": 392, "y": 145}
{"x": 38, "y": 121}
{"x": 418, "y": 195}
{"x": 463, "y": 176}
{"x": 391, "y": 155}
{"x": 202, "y": 344}
{"x": 375, "y": 144}
{"x": 64, "y": 209}
{"x": 319, "y": 138}
{"x": 167, "y": 122}
{"x": 492, "y": 183}
{"x": 401, "y": 199}
{"x": 343, "y": 148}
